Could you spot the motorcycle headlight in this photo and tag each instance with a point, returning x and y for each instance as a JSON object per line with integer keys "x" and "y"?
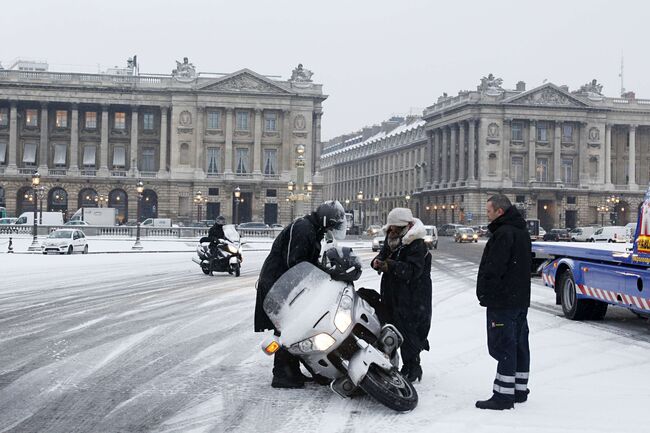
{"x": 343, "y": 317}
{"x": 318, "y": 342}
{"x": 232, "y": 249}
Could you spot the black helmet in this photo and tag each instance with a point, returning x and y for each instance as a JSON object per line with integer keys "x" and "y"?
{"x": 221, "y": 220}
{"x": 331, "y": 215}
{"x": 342, "y": 264}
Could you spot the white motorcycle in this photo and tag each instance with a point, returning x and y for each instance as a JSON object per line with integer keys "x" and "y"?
{"x": 336, "y": 333}
{"x": 227, "y": 254}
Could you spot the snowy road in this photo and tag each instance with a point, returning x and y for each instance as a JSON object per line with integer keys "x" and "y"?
{"x": 146, "y": 342}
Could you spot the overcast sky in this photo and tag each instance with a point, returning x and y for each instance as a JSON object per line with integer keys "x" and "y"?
{"x": 374, "y": 58}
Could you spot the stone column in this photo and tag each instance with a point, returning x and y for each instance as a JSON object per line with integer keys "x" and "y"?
{"x": 13, "y": 137}
{"x": 229, "y": 131}
{"x": 631, "y": 170}
{"x": 453, "y": 147}
{"x": 608, "y": 155}
{"x": 317, "y": 141}
{"x": 461, "y": 151}
{"x": 583, "y": 155}
{"x": 428, "y": 160}
{"x": 162, "y": 169}
{"x": 286, "y": 142}
{"x": 532, "y": 138}
{"x": 435, "y": 161}
{"x": 103, "y": 145}
{"x": 43, "y": 146}
{"x": 505, "y": 158}
{"x": 444, "y": 179}
{"x": 257, "y": 143}
{"x": 74, "y": 139}
{"x": 134, "y": 141}
{"x": 199, "y": 167}
{"x": 557, "y": 150}
{"x": 472, "y": 151}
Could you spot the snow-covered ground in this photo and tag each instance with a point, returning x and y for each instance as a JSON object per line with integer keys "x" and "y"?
{"x": 146, "y": 342}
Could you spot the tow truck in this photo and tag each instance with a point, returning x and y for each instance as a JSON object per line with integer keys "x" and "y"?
{"x": 587, "y": 279}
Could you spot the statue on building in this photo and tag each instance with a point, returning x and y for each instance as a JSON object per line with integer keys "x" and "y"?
{"x": 592, "y": 88}
{"x": 491, "y": 85}
{"x": 301, "y": 75}
{"x": 184, "y": 71}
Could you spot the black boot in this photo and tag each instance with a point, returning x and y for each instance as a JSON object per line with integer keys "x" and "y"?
{"x": 521, "y": 396}
{"x": 286, "y": 371}
{"x": 411, "y": 370}
{"x": 495, "y": 403}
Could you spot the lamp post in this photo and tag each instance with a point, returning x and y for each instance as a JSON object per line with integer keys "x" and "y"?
{"x": 199, "y": 200}
{"x": 603, "y": 210}
{"x": 376, "y": 200}
{"x": 299, "y": 192}
{"x": 407, "y": 197}
{"x": 102, "y": 200}
{"x": 435, "y": 210}
{"x": 36, "y": 181}
{"x": 237, "y": 194}
{"x": 40, "y": 192}
{"x": 444, "y": 212}
{"x": 139, "y": 187}
{"x": 452, "y": 207}
{"x": 362, "y": 221}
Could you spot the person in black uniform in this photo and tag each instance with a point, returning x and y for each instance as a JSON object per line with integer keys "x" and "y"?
{"x": 298, "y": 242}
{"x": 406, "y": 288}
{"x": 503, "y": 287}
{"x": 215, "y": 233}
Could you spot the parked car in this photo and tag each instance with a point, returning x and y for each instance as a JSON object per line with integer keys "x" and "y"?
{"x": 65, "y": 241}
{"x": 431, "y": 238}
{"x": 253, "y": 226}
{"x": 557, "y": 235}
{"x": 277, "y": 226}
{"x": 481, "y": 230}
{"x": 465, "y": 234}
{"x": 449, "y": 229}
{"x": 542, "y": 232}
{"x": 378, "y": 243}
{"x": 8, "y": 220}
{"x": 609, "y": 234}
{"x": 581, "y": 234}
{"x": 373, "y": 230}
{"x": 76, "y": 223}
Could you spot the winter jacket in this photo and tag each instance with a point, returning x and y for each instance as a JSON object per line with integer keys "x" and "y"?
{"x": 504, "y": 273}
{"x": 406, "y": 286}
{"x": 216, "y": 232}
{"x": 297, "y": 242}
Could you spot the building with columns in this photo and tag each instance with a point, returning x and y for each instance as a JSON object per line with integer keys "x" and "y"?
{"x": 93, "y": 136}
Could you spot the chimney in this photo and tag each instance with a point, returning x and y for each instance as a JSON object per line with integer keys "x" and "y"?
{"x": 391, "y": 124}
{"x": 521, "y": 86}
{"x": 564, "y": 87}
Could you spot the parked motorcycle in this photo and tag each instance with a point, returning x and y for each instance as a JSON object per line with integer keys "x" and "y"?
{"x": 227, "y": 254}
{"x": 336, "y": 333}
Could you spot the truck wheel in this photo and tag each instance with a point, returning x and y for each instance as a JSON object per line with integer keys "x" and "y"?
{"x": 573, "y": 308}
{"x": 390, "y": 389}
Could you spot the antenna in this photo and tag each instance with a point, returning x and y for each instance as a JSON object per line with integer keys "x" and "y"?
{"x": 621, "y": 75}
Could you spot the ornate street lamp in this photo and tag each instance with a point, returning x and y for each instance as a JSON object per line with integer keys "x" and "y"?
{"x": 452, "y": 207}
{"x": 237, "y": 194}
{"x": 407, "y": 197}
{"x": 435, "y": 209}
{"x": 199, "y": 200}
{"x": 376, "y": 200}
{"x": 361, "y": 216}
{"x": 139, "y": 189}
{"x": 36, "y": 181}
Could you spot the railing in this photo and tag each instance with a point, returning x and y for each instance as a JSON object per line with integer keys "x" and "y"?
{"x": 148, "y": 174}
{"x": 27, "y": 170}
{"x": 263, "y": 233}
{"x": 57, "y": 172}
{"x": 90, "y": 173}
{"x": 118, "y": 173}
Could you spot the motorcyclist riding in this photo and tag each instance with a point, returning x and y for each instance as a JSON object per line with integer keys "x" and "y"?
{"x": 215, "y": 233}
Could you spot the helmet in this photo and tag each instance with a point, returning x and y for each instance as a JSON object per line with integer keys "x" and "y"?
{"x": 221, "y": 220}
{"x": 342, "y": 264}
{"x": 331, "y": 216}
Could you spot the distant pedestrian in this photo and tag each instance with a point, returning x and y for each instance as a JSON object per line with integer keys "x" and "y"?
{"x": 503, "y": 287}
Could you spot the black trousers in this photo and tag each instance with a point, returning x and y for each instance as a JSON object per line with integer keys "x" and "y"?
{"x": 507, "y": 338}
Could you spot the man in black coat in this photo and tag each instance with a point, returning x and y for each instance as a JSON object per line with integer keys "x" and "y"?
{"x": 406, "y": 288}
{"x": 298, "y": 242}
{"x": 215, "y": 233}
{"x": 503, "y": 287}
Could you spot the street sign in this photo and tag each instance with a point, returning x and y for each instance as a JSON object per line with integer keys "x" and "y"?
{"x": 469, "y": 216}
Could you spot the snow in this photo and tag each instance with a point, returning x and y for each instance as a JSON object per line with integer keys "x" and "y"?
{"x": 146, "y": 342}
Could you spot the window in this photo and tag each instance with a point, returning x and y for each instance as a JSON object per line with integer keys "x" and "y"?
{"x": 29, "y": 154}
{"x": 91, "y": 120}
{"x": 270, "y": 122}
{"x": 213, "y": 191}
{"x": 517, "y": 131}
{"x": 214, "y": 120}
{"x": 520, "y": 198}
{"x": 214, "y": 161}
{"x": 270, "y": 161}
{"x": 147, "y": 122}
{"x": 4, "y": 117}
{"x": 185, "y": 154}
{"x": 147, "y": 163}
{"x": 542, "y": 132}
{"x": 541, "y": 170}
{"x": 567, "y": 170}
{"x": 571, "y": 199}
{"x": 242, "y": 120}
{"x": 89, "y": 156}
{"x": 271, "y": 192}
{"x": 60, "y": 154}
{"x": 119, "y": 156}
{"x": 3, "y": 152}
{"x": 31, "y": 117}
{"x": 61, "y": 120}
{"x": 567, "y": 133}
{"x": 517, "y": 169}
{"x": 120, "y": 121}
{"x": 242, "y": 160}
{"x": 593, "y": 167}
{"x": 492, "y": 164}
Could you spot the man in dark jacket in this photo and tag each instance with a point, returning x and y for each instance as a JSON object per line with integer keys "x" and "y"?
{"x": 300, "y": 241}
{"x": 406, "y": 289}
{"x": 215, "y": 233}
{"x": 503, "y": 287}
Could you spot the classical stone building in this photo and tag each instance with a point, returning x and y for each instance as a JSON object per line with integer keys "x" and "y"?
{"x": 93, "y": 136}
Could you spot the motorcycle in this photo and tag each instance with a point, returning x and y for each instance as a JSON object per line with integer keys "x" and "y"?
{"x": 336, "y": 333}
{"x": 227, "y": 254}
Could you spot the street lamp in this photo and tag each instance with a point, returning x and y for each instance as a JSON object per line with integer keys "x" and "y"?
{"x": 361, "y": 216}
{"x": 139, "y": 188}
{"x": 376, "y": 200}
{"x": 603, "y": 210}
{"x": 407, "y": 197}
{"x": 237, "y": 194}
{"x": 199, "y": 200}
{"x": 40, "y": 192}
{"x": 452, "y": 207}
{"x": 435, "y": 209}
{"x": 36, "y": 181}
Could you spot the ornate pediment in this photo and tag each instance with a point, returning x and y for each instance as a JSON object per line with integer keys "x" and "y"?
{"x": 244, "y": 82}
{"x": 546, "y": 96}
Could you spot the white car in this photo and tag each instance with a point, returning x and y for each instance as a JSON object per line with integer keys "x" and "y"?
{"x": 378, "y": 243}
{"x": 76, "y": 223}
{"x": 65, "y": 241}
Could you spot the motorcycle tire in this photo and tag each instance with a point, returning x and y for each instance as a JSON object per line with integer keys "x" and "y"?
{"x": 205, "y": 270}
{"x": 390, "y": 388}
{"x": 237, "y": 270}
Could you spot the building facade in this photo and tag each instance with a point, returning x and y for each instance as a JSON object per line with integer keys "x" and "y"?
{"x": 92, "y": 137}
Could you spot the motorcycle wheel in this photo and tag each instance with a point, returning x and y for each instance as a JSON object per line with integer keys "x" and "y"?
{"x": 390, "y": 389}
{"x": 237, "y": 270}
{"x": 205, "y": 270}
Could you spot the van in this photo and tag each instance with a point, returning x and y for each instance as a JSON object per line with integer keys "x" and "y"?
{"x": 431, "y": 237}
{"x": 49, "y": 218}
{"x": 449, "y": 229}
{"x": 609, "y": 234}
{"x": 157, "y": 222}
{"x": 581, "y": 234}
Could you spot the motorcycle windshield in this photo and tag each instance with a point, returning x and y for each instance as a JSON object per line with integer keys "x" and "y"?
{"x": 302, "y": 294}
{"x": 231, "y": 233}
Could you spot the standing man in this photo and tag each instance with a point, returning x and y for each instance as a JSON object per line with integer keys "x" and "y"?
{"x": 503, "y": 287}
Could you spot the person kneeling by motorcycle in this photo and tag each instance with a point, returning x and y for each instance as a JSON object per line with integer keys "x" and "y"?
{"x": 298, "y": 242}
{"x": 406, "y": 289}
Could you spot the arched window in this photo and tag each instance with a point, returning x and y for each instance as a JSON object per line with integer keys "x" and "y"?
{"x": 185, "y": 154}
{"x": 149, "y": 205}
{"x": 492, "y": 164}
{"x": 119, "y": 200}
{"x": 25, "y": 200}
{"x": 88, "y": 198}
{"x": 57, "y": 200}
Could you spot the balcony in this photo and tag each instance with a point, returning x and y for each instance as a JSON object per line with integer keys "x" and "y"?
{"x": 57, "y": 172}
{"x": 118, "y": 173}
{"x": 89, "y": 172}
{"x": 149, "y": 174}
